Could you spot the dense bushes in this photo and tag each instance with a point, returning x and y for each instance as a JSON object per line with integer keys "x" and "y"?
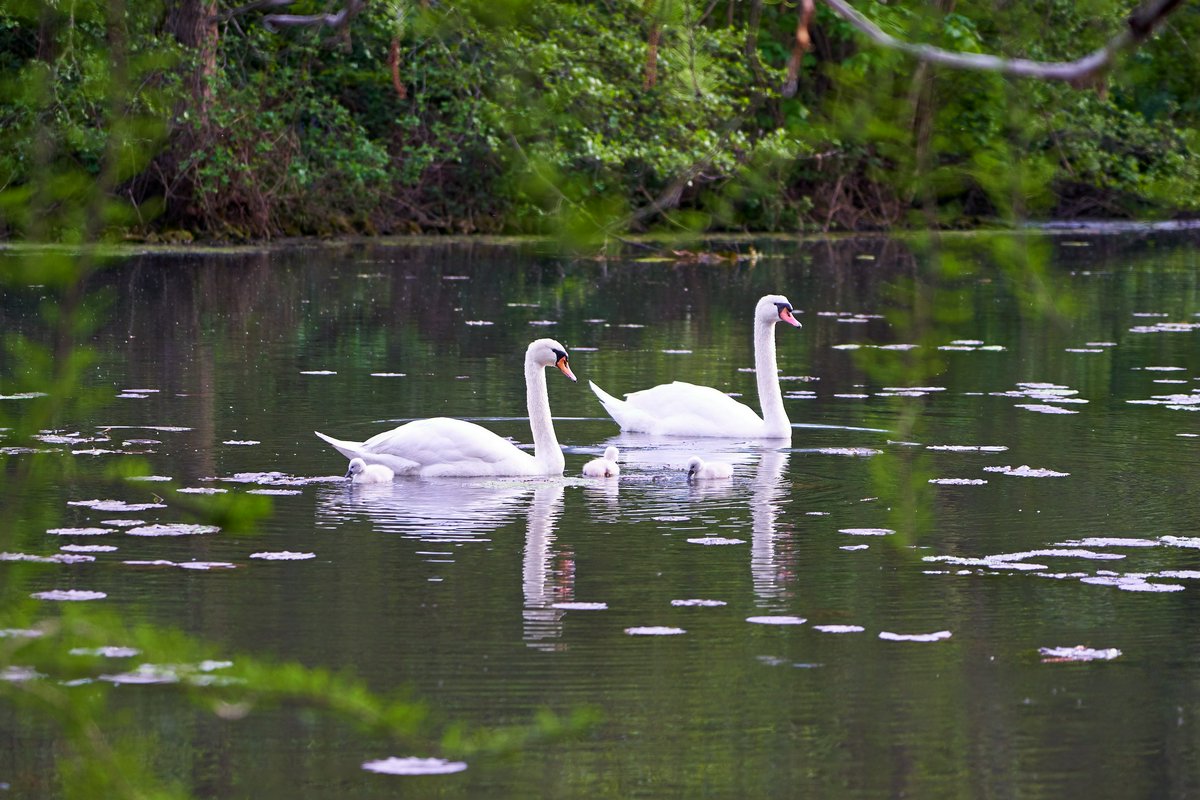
{"x": 526, "y": 116}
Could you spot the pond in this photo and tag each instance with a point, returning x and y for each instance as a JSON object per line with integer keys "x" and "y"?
{"x": 972, "y": 572}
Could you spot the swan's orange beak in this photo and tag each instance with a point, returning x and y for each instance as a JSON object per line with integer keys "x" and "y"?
{"x": 565, "y": 368}
{"x": 786, "y": 315}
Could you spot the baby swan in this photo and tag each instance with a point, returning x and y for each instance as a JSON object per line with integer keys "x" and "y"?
{"x": 362, "y": 472}
{"x": 699, "y": 470}
{"x": 605, "y": 467}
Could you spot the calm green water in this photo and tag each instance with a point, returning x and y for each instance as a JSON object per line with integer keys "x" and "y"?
{"x": 451, "y": 588}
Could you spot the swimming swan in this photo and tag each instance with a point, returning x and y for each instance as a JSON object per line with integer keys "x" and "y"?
{"x": 685, "y": 409}
{"x": 606, "y": 467}
{"x": 362, "y": 472}
{"x": 700, "y": 470}
{"x": 445, "y": 447}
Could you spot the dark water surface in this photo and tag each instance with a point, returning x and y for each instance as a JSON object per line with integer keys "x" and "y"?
{"x": 453, "y": 588}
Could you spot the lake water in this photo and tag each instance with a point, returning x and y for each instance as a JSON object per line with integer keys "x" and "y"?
{"x": 986, "y": 466}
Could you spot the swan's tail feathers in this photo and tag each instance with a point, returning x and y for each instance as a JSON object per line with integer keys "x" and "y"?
{"x": 348, "y": 449}
{"x": 607, "y": 400}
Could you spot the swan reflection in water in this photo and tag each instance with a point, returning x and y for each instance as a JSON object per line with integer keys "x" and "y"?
{"x": 546, "y": 579}
{"x": 437, "y": 510}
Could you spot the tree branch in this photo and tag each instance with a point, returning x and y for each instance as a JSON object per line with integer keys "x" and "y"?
{"x": 337, "y": 19}
{"x": 1140, "y": 25}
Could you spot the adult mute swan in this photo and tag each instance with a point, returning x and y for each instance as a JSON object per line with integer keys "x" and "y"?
{"x": 606, "y": 467}
{"x": 685, "y": 409}
{"x": 701, "y": 470}
{"x": 362, "y": 472}
{"x": 445, "y": 447}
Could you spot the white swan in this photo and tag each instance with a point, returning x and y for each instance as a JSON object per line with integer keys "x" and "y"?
{"x": 606, "y": 467}
{"x": 701, "y": 470}
{"x": 685, "y": 409}
{"x": 445, "y": 447}
{"x": 362, "y": 472}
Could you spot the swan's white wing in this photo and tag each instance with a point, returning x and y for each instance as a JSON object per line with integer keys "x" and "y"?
{"x": 445, "y": 446}
{"x": 441, "y": 446}
{"x": 684, "y": 409}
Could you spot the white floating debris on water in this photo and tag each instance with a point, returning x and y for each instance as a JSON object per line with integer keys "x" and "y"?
{"x": 278, "y": 492}
{"x": 1108, "y": 541}
{"x": 715, "y": 540}
{"x": 479, "y": 322}
{"x": 958, "y": 481}
{"x": 1077, "y": 653}
{"x": 849, "y": 396}
{"x": 276, "y": 479}
{"x": 106, "y": 652}
{"x": 19, "y": 633}
{"x": 389, "y": 374}
{"x": 967, "y": 448}
{"x": 854, "y": 547}
{"x": 816, "y": 513}
{"x": 777, "y": 620}
{"x": 95, "y": 451}
{"x": 1166, "y": 327}
{"x": 68, "y": 595}
{"x": 630, "y": 325}
{"x": 414, "y": 766}
{"x": 1083, "y": 350}
{"x": 115, "y": 505}
{"x": 1176, "y": 401}
{"x": 79, "y": 531}
{"x": 23, "y": 396}
{"x": 282, "y": 555}
{"x": 144, "y": 674}
{"x": 162, "y": 428}
{"x": 543, "y": 323}
{"x": 173, "y": 529}
{"x": 1163, "y": 369}
{"x": 915, "y": 637}
{"x": 130, "y": 396}
{"x": 242, "y": 442}
{"x": 678, "y": 352}
{"x": 15, "y": 673}
{"x": 1026, "y": 471}
{"x": 201, "y": 490}
{"x": 847, "y": 347}
{"x": 654, "y": 630}
{"x": 157, "y": 562}
{"x": 205, "y": 566}
{"x": 1045, "y": 409}
{"x": 575, "y": 605}
{"x": 57, "y": 558}
{"x": 867, "y": 531}
{"x": 671, "y": 518}
{"x": 923, "y": 389}
{"x": 318, "y": 372}
{"x": 839, "y": 628}
{"x": 88, "y": 548}
{"x": 1100, "y": 344}
{"x": 969, "y": 342}
{"x": 848, "y": 451}
{"x": 152, "y": 478}
{"x": 123, "y": 523}
{"x": 992, "y": 562}
{"x": 698, "y": 603}
{"x": 1131, "y": 583}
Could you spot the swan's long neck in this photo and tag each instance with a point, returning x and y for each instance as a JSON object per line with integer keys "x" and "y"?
{"x": 770, "y": 396}
{"x": 537, "y": 401}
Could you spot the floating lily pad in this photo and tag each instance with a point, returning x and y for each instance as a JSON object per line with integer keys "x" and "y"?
{"x": 282, "y": 555}
{"x": 68, "y": 595}
{"x": 1078, "y": 653}
{"x": 839, "y": 628}
{"x": 414, "y": 766}
{"x": 936, "y": 636}
{"x": 173, "y": 529}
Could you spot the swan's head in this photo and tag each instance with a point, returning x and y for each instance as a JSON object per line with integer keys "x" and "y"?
{"x": 694, "y": 466}
{"x": 611, "y": 454}
{"x": 775, "y": 308}
{"x": 546, "y": 353}
{"x": 357, "y": 465}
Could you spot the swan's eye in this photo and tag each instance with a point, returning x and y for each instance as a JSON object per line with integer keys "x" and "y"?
{"x": 559, "y": 355}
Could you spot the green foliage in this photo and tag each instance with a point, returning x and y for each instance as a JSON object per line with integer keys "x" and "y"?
{"x": 514, "y": 116}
